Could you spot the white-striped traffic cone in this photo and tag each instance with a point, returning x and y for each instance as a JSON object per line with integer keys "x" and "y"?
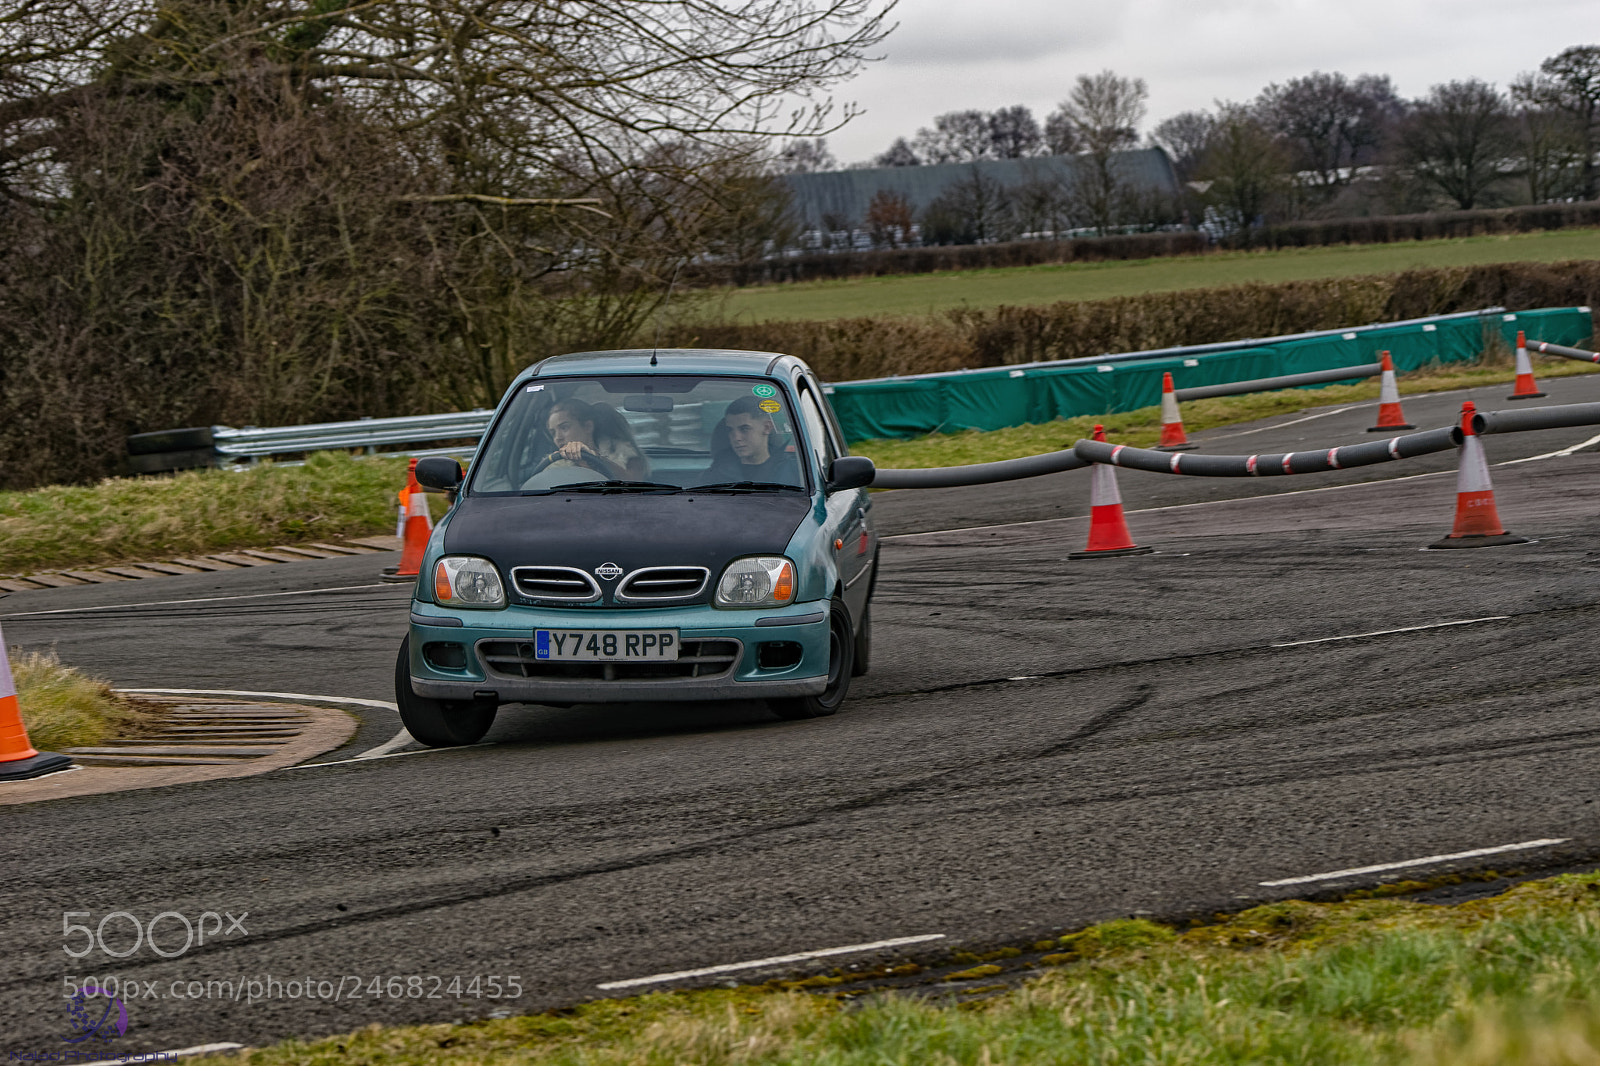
{"x": 1527, "y": 388}
{"x": 1477, "y": 519}
{"x": 18, "y": 759}
{"x": 1173, "y": 438}
{"x": 415, "y": 530}
{"x": 1389, "y": 414}
{"x": 1108, "y": 529}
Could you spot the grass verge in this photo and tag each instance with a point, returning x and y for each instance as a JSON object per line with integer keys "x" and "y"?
{"x": 197, "y": 511}
{"x": 64, "y": 708}
{"x": 917, "y": 294}
{"x": 1142, "y": 428}
{"x": 1511, "y": 980}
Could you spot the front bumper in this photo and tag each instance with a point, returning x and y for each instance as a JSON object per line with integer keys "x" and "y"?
{"x": 484, "y": 636}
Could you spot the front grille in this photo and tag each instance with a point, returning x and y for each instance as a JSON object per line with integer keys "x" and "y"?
{"x": 697, "y": 658}
{"x": 663, "y": 583}
{"x": 555, "y": 583}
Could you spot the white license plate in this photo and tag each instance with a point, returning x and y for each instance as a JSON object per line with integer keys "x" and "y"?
{"x": 605, "y": 645}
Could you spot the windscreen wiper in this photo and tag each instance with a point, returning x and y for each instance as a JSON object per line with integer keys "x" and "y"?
{"x": 746, "y": 486}
{"x": 618, "y": 486}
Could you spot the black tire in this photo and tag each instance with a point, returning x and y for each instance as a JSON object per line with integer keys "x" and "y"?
{"x": 437, "y": 723}
{"x": 841, "y": 659}
{"x": 863, "y": 648}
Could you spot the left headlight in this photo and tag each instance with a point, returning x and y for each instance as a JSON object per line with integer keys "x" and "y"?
{"x": 756, "y": 581}
{"x": 467, "y": 581}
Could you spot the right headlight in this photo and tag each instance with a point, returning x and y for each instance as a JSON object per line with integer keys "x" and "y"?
{"x": 467, "y": 581}
{"x": 756, "y": 581}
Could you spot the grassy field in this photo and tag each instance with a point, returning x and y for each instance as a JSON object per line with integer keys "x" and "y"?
{"x": 914, "y": 294}
{"x": 1509, "y": 981}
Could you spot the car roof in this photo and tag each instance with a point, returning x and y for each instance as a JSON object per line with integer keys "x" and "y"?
{"x": 712, "y": 361}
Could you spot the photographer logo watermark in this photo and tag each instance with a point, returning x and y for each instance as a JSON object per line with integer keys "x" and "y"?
{"x": 90, "y": 1021}
{"x": 120, "y": 934}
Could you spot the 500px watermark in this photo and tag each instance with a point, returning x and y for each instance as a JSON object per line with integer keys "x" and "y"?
{"x": 345, "y": 987}
{"x": 123, "y": 925}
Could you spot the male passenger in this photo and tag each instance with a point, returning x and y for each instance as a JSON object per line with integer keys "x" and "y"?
{"x": 758, "y": 450}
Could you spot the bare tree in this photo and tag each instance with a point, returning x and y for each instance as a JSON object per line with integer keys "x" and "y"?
{"x": 1013, "y": 133}
{"x": 974, "y": 210}
{"x": 1457, "y": 139}
{"x": 1060, "y": 137}
{"x": 1103, "y": 111}
{"x": 899, "y": 154}
{"x": 1332, "y": 123}
{"x": 1550, "y": 139}
{"x": 1184, "y": 137}
{"x": 1245, "y": 167}
{"x": 1570, "y": 82}
{"x": 263, "y": 210}
{"x": 807, "y": 155}
{"x": 955, "y": 137}
{"x": 889, "y": 219}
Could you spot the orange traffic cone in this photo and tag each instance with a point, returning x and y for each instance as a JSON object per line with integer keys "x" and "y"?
{"x": 1477, "y": 518}
{"x": 1108, "y": 530}
{"x": 418, "y": 527}
{"x": 18, "y": 759}
{"x": 1172, "y": 435}
{"x": 1389, "y": 414}
{"x": 1527, "y": 388}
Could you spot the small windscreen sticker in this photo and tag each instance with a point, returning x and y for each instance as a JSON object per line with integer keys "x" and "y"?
{"x": 772, "y": 407}
{"x": 764, "y": 390}
{"x": 534, "y": 388}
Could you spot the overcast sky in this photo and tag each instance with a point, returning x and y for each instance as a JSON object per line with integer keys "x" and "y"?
{"x": 954, "y": 54}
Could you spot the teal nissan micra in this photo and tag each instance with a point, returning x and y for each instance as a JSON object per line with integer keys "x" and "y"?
{"x": 644, "y": 525}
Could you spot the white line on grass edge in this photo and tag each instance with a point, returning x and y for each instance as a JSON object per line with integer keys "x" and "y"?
{"x": 776, "y": 960}
{"x": 1429, "y": 860}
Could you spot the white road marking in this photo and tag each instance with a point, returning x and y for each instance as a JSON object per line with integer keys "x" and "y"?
{"x": 162, "y": 1056}
{"x": 1562, "y": 454}
{"x": 1294, "y": 422}
{"x": 1428, "y": 861}
{"x": 1386, "y": 632}
{"x": 387, "y": 747}
{"x": 365, "y": 758}
{"x": 205, "y": 599}
{"x": 776, "y": 960}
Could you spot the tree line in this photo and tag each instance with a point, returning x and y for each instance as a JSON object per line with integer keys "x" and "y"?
{"x": 1320, "y": 146}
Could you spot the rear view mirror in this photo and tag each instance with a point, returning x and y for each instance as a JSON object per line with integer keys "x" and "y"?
{"x": 647, "y": 403}
{"x": 850, "y": 472}
{"x": 439, "y": 472}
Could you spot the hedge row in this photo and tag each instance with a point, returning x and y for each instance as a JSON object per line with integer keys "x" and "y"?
{"x": 852, "y": 348}
{"x": 1383, "y": 229}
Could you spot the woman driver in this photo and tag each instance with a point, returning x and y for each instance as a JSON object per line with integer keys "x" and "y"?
{"x": 596, "y": 436}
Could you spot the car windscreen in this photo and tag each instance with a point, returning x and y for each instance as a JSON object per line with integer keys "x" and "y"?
{"x": 656, "y": 433}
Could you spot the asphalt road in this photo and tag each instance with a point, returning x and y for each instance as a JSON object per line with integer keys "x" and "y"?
{"x": 1042, "y": 743}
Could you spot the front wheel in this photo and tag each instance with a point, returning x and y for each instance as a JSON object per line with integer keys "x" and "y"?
{"x": 841, "y": 660}
{"x": 437, "y": 723}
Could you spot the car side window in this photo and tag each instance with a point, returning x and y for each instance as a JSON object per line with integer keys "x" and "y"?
{"x": 817, "y": 436}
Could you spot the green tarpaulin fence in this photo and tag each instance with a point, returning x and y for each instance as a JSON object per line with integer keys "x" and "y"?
{"x": 1011, "y": 396}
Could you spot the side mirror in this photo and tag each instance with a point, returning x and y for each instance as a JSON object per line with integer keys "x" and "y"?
{"x": 845, "y": 472}
{"x": 439, "y": 472}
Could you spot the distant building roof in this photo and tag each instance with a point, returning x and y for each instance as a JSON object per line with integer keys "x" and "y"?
{"x": 846, "y": 193}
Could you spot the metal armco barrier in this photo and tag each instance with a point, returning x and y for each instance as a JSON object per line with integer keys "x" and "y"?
{"x": 1310, "y": 462}
{"x": 1559, "y": 416}
{"x": 1565, "y": 352}
{"x": 367, "y": 433}
{"x": 1286, "y": 381}
{"x": 944, "y": 477}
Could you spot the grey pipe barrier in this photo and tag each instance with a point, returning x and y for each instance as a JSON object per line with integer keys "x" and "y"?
{"x": 1323, "y": 459}
{"x": 1565, "y": 352}
{"x": 1557, "y": 417}
{"x": 1287, "y": 381}
{"x": 944, "y": 477}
